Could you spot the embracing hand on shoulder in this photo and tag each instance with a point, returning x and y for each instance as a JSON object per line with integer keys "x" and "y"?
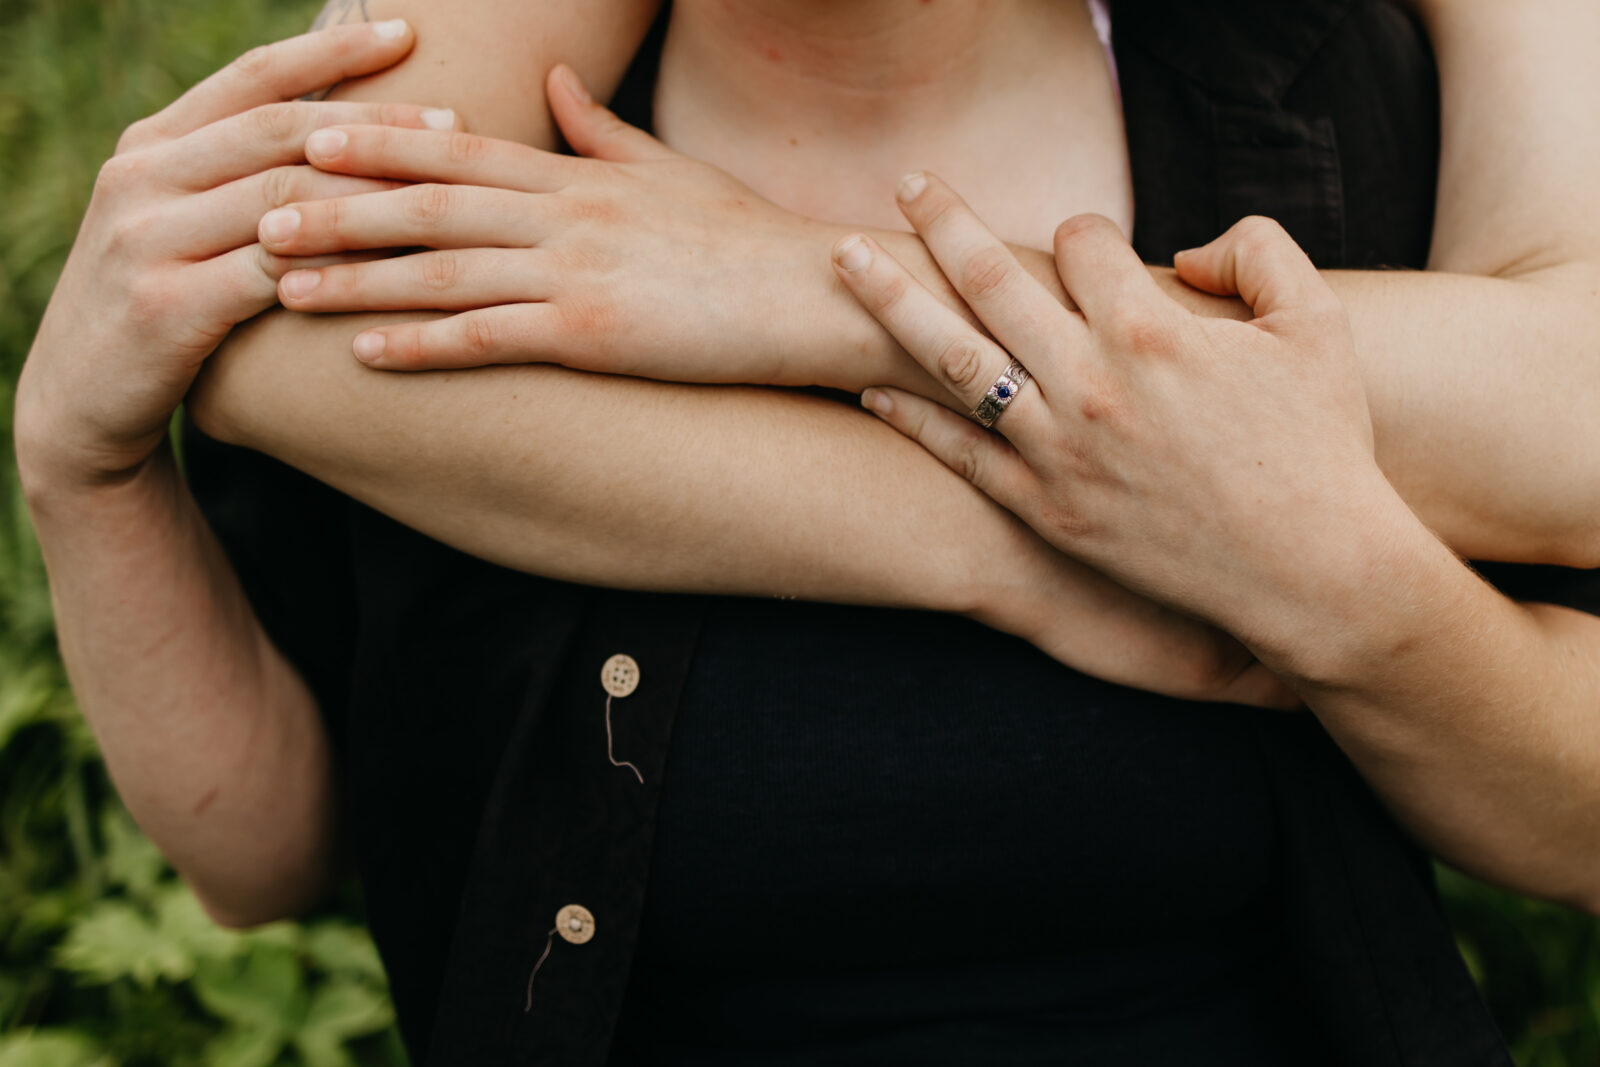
{"x": 1222, "y": 467}
{"x": 634, "y": 260}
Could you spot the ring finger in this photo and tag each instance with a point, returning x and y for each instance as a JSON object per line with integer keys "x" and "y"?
{"x": 228, "y": 216}
{"x": 956, "y": 355}
{"x": 432, "y": 216}
{"x": 443, "y": 281}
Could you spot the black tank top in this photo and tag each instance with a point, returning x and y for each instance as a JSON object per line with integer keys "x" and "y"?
{"x": 890, "y": 836}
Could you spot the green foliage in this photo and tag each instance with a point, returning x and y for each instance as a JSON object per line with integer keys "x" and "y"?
{"x": 105, "y": 958}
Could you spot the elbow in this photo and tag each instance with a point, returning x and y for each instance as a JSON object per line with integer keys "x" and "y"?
{"x": 241, "y": 904}
{"x": 245, "y": 910}
{"x": 232, "y": 917}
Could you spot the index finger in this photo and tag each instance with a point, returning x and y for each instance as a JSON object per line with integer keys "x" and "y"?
{"x": 277, "y": 72}
{"x": 414, "y": 155}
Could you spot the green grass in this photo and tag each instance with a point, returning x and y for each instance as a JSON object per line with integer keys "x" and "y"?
{"x": 104, "y": 958}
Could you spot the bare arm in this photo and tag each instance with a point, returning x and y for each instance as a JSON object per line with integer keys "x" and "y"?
{"x": 713, "y": 490}
{"x": 1483, "y": 374}
{"x": 1227, "y": 468}
{"x": 211, "y": 736}
{"x": 1481, "y": 386}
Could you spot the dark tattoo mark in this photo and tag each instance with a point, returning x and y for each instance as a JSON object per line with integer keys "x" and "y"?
{"x": 337, "y": 13}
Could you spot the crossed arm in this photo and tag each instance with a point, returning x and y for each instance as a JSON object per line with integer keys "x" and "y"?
{"x": 910, "y": 533}
{"x": 1481, "y": 385}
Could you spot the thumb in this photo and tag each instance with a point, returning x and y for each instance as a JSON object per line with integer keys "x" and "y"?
{"x": 1257, "y": 261}
{"x": 591, "y": 129}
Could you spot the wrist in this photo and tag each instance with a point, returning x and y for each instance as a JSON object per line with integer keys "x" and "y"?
{"x": 59, "y": 452}
{"x": 1377, "y": 591}
{"x": 61, "y": 489}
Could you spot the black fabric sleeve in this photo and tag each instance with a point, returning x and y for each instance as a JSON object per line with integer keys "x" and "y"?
{"x": 288, "y": 538}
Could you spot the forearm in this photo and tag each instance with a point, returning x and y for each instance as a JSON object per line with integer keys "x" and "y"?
{"x": 613, "y": 481}
{"x": 212, "y": 740}
{"x": 642, "y": 485}
{"x": 1472, "y": 716}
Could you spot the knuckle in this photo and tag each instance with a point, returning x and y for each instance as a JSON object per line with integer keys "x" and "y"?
{"x": 1139, "y": 331}
{"x": 966, "y": 455}
{"x": 1076, "y": 228}
{"x": 1097, "y": 402}
{"x": 1058, "y": 513}
{"x": 255, "y": 64}
{"x": 328, "y": 218}
{"x": 388, "y": 114}
{"x": 465, "y": 148}
{"x": 935, "y": 206}
{"x": 1257, "y": 233}
{"x": 440, "y": 271}
{"x": 280, "y": 186}
{"x": 276, "y": 123}
{"x": 268, "y": 267}
{"x": 129, "y": 232}
{"x": 589, "y": 318}
{"x": 986, "y": 272}
{"x": 887, "y": 295}
{"x": 592, "y": 210}
{"x": 137, "y": 134}
{"x": 428, "y": 204}
{"x": 119, "y": 173}
{"x": 961, "y": 362}
{"x": 477, "y": 335}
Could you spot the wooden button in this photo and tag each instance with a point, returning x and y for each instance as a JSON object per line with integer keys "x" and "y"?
{"x": 620, "y": 675}
{"x": 575, "y": 923}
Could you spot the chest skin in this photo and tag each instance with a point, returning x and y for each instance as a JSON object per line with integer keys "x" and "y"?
{"x": 1026, "y": 153}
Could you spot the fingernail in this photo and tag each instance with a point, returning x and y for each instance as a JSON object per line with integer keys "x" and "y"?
{"x": 279, "y": 224}
{"x": 911, "y": 187}
{"x": 876, "y": 401}
{"x": 300, "y": 283}
{"x": 369, "y": 346}
{"x": 852, "y": 253}
{"x": 390, "y": 30}
{"x": 439, "y": 118}
{"x": 575, "y": 85}
{"x": 327, "y": 142}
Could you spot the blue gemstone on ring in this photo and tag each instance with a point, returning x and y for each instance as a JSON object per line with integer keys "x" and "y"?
{"x": 1002, "y": 391}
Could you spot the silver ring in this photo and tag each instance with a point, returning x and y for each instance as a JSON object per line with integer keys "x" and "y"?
{"x": 1000, "y": 394}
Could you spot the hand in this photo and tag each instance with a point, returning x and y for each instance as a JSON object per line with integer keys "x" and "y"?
{"x": 1210, "y": 464}
{"x": 638, "y": 260}
{"x": 166, "y": 261}
{"x": 1079, "y": 617}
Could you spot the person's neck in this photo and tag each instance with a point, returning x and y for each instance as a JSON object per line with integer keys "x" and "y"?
{"x": 846, "y": 70}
